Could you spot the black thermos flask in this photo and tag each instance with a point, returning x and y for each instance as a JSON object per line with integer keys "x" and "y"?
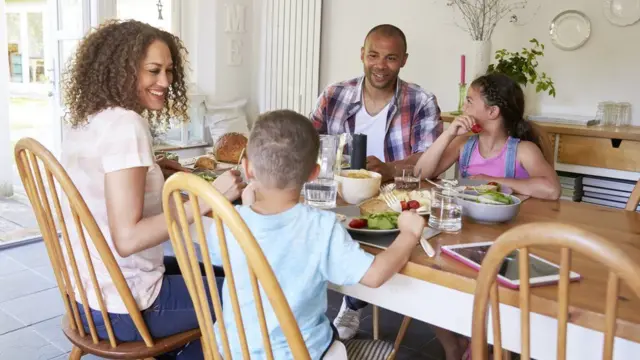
{"x": 359, "y": 152}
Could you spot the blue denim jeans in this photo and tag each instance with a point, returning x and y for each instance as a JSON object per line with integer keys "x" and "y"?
{"x": 355, "y": 304}
{"x": 171, "y": 313}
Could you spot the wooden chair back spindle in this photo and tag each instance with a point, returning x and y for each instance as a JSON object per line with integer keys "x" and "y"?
{"x": 634, "y": 199}
{"x": 568, "y": 238}
{"x": 259, "y": 270}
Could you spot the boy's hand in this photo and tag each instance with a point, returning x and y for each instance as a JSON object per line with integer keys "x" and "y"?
{"x": 411, "y": 223}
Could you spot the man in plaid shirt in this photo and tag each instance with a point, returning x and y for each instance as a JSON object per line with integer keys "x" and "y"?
{"x": 400, "y": 119}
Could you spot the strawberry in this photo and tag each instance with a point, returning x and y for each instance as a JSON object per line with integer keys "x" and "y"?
{"x": 476, "y": 129}
{"x": 413, "y": 204}
{"x": 404, "y": 205}
{"x": 358, "y": 223}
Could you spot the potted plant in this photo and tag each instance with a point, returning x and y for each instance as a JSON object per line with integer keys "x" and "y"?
{"x": 522, "y": 67}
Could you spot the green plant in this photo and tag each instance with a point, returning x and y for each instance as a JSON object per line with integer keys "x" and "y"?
{"x": 521, "y": 67}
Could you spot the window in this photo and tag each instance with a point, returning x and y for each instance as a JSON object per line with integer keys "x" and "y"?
{"x": 158, "y": 13}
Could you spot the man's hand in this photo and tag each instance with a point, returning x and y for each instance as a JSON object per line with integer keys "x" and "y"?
{"x": 384, "y": 169}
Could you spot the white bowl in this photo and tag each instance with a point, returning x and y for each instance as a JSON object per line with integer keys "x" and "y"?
{"x": 489, "y": 213}
{"x": 355, "y": 190}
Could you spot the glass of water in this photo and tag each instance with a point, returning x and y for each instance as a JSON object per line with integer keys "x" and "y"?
{"x": 406, "y": 178}
{"x": 446, "y": 213}
{"x": 321, "y": 193}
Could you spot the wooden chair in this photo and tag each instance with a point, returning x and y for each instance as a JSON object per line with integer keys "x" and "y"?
{"x": 259, "y": 269}
{"x": 568, "y": 238}
{"x": 634, "y": 199}
{"x": 33, "y": 159}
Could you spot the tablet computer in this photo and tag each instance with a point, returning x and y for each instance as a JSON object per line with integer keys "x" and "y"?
{"x": 541, "y": 271}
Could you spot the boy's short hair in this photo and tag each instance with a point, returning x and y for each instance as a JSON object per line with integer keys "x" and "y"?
{"x": 283, "y": 149}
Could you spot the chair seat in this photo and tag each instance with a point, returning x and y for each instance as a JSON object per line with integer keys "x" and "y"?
{"x": 368, "y": 349}
{"x": 128, "y": 350}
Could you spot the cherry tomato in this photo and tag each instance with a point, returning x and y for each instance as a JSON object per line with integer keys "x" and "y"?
{"x": 404, "y": 205}
{"x": 476, "y": 129}
{"x": 358, "y": 223}
{"x": 413, "y": 204}
{"x": 493, "y": 183}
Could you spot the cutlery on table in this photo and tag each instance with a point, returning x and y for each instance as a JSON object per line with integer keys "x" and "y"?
{"x": 394, "y": 203}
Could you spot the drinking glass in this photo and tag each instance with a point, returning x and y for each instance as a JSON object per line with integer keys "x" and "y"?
{"x": 328, "y": 155}
{"x": 446, "y": 213}
{"x": 406, "y": 178}
{"x": 322, "y": 192}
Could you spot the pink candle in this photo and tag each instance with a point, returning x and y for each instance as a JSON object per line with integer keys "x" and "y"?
{"x": 463, "y": 69}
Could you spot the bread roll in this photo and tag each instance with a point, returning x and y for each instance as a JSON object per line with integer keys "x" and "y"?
{"x": 373, "y": 206}
{"x": 206, "y": 162}
{"x": 229, "y": 147}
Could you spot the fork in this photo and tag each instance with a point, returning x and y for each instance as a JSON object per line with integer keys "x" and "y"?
{"x": 394, "y": 203}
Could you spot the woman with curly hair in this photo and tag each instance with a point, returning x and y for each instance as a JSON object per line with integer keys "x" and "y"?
{"x": 124, "y": 76}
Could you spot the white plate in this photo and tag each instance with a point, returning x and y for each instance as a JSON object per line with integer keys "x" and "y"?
{"x": 367, "y": 231}
{"x": 569, "y": 30}
{"x": 622, "y": 12}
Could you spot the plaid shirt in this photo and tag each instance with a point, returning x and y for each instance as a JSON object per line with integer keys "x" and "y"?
{"x": 413, "y": 121}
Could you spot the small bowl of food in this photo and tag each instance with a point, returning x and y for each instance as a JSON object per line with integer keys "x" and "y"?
{"x": 489, "y": 207}
{"x": 356, "y": 186}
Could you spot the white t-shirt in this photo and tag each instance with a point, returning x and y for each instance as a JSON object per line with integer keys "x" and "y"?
{"x": 375, "y": 128}
{"x": 114, "y": 139}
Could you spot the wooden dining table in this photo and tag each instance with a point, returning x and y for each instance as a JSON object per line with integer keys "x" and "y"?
{"x": 439, "y": 290}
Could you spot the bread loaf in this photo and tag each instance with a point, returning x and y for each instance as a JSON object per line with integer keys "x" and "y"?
{"x": 229, "y": 147}
{"x": 206, "y": 162}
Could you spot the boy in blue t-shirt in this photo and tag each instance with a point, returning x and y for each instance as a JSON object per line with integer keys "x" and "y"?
{"x": 306, "y": 247}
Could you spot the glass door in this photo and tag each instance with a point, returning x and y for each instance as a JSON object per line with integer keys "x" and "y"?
{"x": 71, "y": 22}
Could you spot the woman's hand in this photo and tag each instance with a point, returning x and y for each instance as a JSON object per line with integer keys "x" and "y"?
{"x": 168, "y": 167}
{"x": 461, "y": 125}
{"x": 230, "y": 184}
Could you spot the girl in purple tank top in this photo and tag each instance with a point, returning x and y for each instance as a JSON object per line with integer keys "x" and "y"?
{"x": 503, "y": 148}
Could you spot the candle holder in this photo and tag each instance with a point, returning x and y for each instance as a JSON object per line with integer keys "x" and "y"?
{"x": 462, "y": 94}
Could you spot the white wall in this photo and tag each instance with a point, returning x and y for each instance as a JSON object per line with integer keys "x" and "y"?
{"x": 607, "y": 67}
{"x": 6, "y": 173}
{"x": 219, "y": 74}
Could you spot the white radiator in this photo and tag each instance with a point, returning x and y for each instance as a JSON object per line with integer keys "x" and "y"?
{"x": 290, "y": 55}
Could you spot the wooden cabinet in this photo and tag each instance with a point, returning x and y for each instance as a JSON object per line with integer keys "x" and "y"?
{"x": 599, "y": 152}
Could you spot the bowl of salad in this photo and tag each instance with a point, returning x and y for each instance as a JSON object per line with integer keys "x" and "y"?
{"x": 488, "y": 206}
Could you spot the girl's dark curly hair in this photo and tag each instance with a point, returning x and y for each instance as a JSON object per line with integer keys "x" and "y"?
{"x": 103, "y": 73}
{"x": 500, "y": 90}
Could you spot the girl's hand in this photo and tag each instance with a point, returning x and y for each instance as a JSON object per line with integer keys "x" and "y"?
{"x": 230, "y": 184}
{"x": 461, "y": 125}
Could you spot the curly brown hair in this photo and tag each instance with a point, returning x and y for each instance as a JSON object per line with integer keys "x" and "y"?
{"x": 103, "y": 73}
